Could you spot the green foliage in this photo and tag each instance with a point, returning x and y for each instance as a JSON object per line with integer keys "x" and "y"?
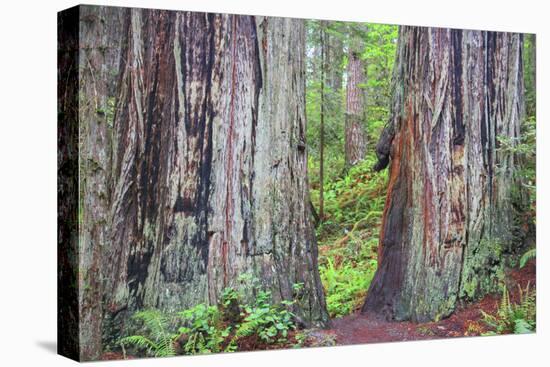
{"x": 270, "y": 322}
{"x": 353, "y": 202}
{"x": 379, "y": 54}
{"x": 517, "y": 318}
{"x": 158, "y": 340}
{"x": 346, "y": 286}
{"x": 529, "y": 74}
{"x": 379, "y": 44}
{"x": 524, "y": 149}
{"x": 334, "y": 99}
{"x": 212, "y": 329}
{"x": 528, "y": 255}
{"x": 204, "y": 331}
{"x": 348, "y": 238}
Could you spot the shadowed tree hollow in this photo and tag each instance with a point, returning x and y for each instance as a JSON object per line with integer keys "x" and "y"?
{"x": 450, "y": 209}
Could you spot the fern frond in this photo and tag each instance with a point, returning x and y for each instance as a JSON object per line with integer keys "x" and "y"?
{"x": 530, "y": 254}
{"x": 140, "y": 342}
{"x": 160, "y": 341}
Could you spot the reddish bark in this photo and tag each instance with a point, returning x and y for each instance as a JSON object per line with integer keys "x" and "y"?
{"x": 355, "y": 137}
{"x": 450, "y": 211}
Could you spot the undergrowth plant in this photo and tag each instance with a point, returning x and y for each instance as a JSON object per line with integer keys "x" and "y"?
{"x": 348, "y": 235}
{"x": 528, "y": 255}
{"x": 216, "y": 328}
{"x": 204, "y": 331}
{"x": 158, "y": 340}
{"x": 271, "y": 322}
{"x": 516, "y": 318}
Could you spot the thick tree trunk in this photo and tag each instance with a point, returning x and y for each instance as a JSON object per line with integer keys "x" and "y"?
{"x": 355, "y": 137}
{"x": 67, "y": 184}
{"x": 209, "y": 164}
{"x": 99, "y": 56}
{"x": 449, "y": 213}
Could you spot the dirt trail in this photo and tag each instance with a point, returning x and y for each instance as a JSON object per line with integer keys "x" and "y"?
{"x": 466, "y": 321}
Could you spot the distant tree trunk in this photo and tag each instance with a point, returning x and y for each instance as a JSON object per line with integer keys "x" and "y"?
{"x": 530, "y": 60}
{"x": 209, "y": 164}
{"x": 335, "y": 56}
{"x": 452, "y": 194}
{"x": 355, "y": 137}
{"x": 322, "y": 35}
{"x": 99, "y": 54}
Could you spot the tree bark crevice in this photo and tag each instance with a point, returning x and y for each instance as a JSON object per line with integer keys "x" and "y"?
{"x": 204, "y": 170}
{"x": 449, "y": 213}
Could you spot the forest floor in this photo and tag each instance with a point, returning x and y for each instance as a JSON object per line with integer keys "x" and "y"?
{"x": 359, "y": 328}
{"x": 467, "y": 320}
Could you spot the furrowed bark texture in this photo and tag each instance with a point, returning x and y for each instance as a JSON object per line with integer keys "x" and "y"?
{"x": 355, "y": 137}
{"x": 99, "y": 45}
{"x": 449, "y": 214}
{"x": 209, "y": 164}
{"x": 67, "y": 184}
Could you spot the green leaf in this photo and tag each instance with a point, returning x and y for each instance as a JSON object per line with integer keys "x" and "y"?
{"x": 522, "y": 327}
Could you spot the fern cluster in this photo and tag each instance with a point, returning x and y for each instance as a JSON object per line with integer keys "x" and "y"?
{"x": 159, "y": 340}
{"x": 516, "y": 318}
{"x": 213, "y": 329}
{"x": 348, "y": 236}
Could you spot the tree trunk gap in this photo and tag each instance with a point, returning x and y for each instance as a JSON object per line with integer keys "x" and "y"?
{"x": 450, "y": 209}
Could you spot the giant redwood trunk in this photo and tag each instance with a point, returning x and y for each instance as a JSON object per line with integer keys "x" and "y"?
{"x": 452, "y": 195}
{"x": 355, "y": 137}
{"x": 67, "y": 184}
{"x": 89, "y": 44}
{"x": 209, "y": 176}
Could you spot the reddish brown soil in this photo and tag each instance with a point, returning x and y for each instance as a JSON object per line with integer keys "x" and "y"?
{"x": 113, "y": 356}
{"x": 466, "y": 321}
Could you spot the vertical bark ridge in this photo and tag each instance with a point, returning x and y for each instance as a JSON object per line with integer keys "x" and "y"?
{"x": 355, "y": 145}
{"x": 448, "y": 213}
{"x": 68, "y": 203}
{"x": 99, "y": 55}
{"x": 210, "y": 175}
{"x": 285, "y": 251}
